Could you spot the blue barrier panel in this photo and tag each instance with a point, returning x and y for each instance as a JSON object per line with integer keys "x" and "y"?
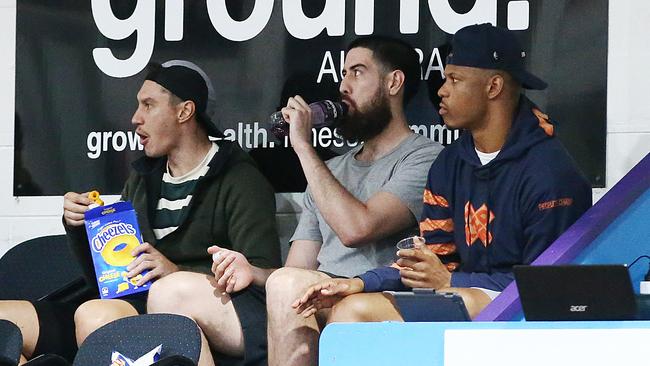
{"x": 485, "y": 343}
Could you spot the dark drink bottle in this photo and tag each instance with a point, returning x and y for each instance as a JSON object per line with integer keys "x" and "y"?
{"x": 323, "y": 113}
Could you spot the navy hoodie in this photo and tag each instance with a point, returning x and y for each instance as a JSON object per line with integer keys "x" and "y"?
{"x": 483, "y": 219}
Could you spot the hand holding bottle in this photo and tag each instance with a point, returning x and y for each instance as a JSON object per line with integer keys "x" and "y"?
{"x": 323, "y": 113}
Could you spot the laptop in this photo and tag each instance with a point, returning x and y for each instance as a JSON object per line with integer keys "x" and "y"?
{"x": 576, "y": 292}
{"x": 426, "y": 305}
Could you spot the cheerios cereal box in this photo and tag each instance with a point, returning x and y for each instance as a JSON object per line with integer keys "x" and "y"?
{"x": 113, "y": 233}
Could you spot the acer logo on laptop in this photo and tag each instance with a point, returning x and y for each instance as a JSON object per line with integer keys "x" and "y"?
{"x": 578, "y": 308}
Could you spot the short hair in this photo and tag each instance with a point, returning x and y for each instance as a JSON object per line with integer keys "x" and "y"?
{"x": 394, "y": 54}
{"x": 512, "y": 87}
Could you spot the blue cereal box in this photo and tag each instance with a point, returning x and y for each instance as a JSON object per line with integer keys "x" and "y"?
{"x": 113, "y": 232}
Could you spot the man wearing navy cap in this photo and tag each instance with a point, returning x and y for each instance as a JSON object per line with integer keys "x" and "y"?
{"x": 497, "y": 197}
{"x": 190, "y": 194}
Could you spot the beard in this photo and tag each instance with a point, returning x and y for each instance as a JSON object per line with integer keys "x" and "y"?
{"x": 362, "y": 125}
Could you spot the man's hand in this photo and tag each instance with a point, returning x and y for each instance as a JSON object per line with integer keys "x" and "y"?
{"x": 298, "y": 114}
{"x": 149, "y": 258}
{"x": 326, "y": 294}
{"x": 423, "y": 268}
{"x": 74, "y": 207}
{"x": 231, "y": 269}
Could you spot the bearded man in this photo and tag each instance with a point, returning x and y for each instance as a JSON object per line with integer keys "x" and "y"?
{"x": 358, "y": 205}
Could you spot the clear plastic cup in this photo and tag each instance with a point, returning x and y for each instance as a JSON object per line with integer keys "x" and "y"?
{"x": 410, "y": 242}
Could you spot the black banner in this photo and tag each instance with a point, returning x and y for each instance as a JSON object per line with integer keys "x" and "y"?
{"x": 79, "y": 65}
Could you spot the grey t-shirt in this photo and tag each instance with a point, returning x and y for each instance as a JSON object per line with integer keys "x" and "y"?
{"x": 402, "y": 172}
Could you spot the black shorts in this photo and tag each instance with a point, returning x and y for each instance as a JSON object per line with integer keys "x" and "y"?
{"x": 56, "y": 325}
{"x": 138, "y": 301}
{"x": 56, "y": 329}
{"x": 250, "y": 306}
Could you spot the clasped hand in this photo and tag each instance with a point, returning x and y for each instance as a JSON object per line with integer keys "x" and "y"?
{"x": 231, "y": 269}
{"x": 74, "y": 207}
{"x": 422, "y": 268}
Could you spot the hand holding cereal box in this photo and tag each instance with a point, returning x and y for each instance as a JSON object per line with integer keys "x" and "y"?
{"x": 113, "y": 233}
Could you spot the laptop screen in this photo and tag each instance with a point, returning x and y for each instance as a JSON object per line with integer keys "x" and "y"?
{"x": 576, "y": 292}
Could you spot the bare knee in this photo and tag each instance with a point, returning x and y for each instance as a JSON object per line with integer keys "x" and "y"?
{"x": 16, "y": 310}
{"x": 173, "y": 293}
{"x": 23, "y": 314}
{"x": 350, "y": 309}
{"x": 286, "y": 284}
{"x": 276, "y": 280}
{"x": 102, "y": 311}
{"x": 364, "y": 307}
{"x": 94, "y": 314}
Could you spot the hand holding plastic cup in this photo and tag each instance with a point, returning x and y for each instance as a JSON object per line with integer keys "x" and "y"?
{"x": 413, "y": 242}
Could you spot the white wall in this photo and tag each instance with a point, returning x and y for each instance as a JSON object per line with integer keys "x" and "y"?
{"x": 628, "y": 120}
{"x": 628, "y": 109}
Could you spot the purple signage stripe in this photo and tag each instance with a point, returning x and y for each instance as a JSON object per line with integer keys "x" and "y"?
{"x": 567, "y": 247}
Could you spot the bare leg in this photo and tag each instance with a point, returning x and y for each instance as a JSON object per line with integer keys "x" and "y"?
{"x": 194, "y": 295}
{"x": 375, "y": 307}
{"x": 23, "y": 314}
{"x": 370, "y": 307}
{"x": 475, "y": 300}
{"x": 293, "y": 340}
{"x": 94, "y": 314}
{"x": 205, "y": 355}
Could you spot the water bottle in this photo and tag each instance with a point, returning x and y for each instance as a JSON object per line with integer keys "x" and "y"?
{"x": 323, "y": 113}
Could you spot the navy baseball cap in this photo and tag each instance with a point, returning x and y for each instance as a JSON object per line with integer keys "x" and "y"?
{"x": 188, "y": 82}
{"x": 485, "y": 46}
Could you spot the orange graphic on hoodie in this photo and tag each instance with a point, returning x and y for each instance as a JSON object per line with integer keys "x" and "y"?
{"x": 476, "y": 224}
{"x": 434, "y": 199}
